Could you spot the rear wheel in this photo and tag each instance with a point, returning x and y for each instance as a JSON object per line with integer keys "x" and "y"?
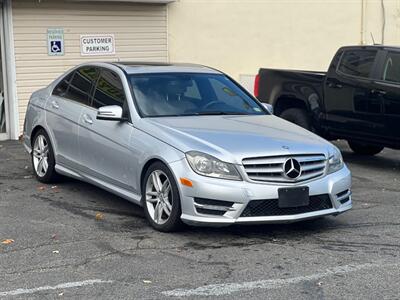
{"x": 43, "y": 161}
{"x": 364, "y": 149}
{"x": 297, "y": 116}
{"x": 161, "y": 201}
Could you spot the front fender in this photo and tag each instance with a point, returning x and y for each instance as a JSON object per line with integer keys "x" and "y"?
{"x": 151, "y": 149}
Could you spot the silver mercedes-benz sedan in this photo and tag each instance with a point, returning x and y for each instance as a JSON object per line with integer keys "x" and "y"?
{"x": 186, "y": 142}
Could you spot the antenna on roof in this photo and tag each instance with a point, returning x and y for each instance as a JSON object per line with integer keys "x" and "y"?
{"x": 373, "y": 40}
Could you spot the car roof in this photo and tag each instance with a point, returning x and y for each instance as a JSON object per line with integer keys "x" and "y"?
{"x": 370, "y": 47}
{"x": 155, "y": 67}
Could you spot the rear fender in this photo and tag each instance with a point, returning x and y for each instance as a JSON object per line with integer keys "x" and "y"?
{"x": 35, "y": 116}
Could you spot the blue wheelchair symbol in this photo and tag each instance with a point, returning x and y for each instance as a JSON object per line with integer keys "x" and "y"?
{"x": 55, "y": 46}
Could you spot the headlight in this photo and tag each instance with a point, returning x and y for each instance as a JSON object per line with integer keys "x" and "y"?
{"x": 207, "y": 165}
{"x": 335, "y": 160}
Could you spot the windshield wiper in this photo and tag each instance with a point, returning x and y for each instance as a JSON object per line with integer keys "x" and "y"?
{"x": 217, "y": 113}
{"x": 202, "y": 113}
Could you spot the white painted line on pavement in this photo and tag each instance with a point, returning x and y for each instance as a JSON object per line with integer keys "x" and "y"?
{"x": 55, "y": 287}
{"x": 229, "y": 288}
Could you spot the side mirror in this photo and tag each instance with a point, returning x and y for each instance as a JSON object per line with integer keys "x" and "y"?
{"x": 269, "y": 108}
{"x": 110, "y": 113}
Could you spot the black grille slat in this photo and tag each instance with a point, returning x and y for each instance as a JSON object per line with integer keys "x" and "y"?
{"x": 270, "y": 207}
{"x": 343, "y": 201}
{"x": 213, "y": 202}
{"x": 210, "y": 211}
{"x": 342, "y": 193}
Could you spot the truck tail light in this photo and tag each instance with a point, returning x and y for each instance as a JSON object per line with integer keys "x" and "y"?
{"x": 257, "y": 85}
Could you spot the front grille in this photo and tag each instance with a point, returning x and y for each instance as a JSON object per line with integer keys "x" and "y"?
{"x": 271, "y": 169}
{"x": 270, "y": 207}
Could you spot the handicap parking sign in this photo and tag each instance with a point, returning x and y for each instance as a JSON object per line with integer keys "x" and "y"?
{"x": 56, "y": 46}
{"x": 55, "y": 41}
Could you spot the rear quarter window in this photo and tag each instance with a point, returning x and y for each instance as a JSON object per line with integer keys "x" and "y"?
{"x": 62, "y": 88}
{"x": 357, "y": 62}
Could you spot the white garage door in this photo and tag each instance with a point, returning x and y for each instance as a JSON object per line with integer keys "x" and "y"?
{"x": 140, "y": 33}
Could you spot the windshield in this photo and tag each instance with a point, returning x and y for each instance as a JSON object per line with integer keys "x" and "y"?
{"x": 181, "y": 94}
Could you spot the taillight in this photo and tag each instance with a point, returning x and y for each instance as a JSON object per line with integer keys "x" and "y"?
{"x": 257, "y": 85}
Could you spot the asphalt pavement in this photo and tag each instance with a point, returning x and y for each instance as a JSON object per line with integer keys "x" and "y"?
{"x": 72, "y": 240}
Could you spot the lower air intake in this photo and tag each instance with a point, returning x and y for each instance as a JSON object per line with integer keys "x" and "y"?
{"x": 270, "y": 207}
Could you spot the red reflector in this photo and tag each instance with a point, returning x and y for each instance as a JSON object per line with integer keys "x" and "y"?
{"x": 257, "y": 85}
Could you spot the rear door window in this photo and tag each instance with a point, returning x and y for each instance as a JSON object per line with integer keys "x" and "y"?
{"x": 391, "y": 70}
{"x": 357, "y": 62}
{"x": 81, "y": 85}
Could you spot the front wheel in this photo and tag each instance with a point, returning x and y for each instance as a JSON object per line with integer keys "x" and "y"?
{"x": 364, "y": 149}
{"x": 161, "y": 201}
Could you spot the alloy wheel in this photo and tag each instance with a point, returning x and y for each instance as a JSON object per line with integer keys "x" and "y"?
{"x": 41, "y": 155}
{"x": 159, "y": 197}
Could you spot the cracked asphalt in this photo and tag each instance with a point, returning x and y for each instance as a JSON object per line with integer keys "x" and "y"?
{"x": 58, "y": 240}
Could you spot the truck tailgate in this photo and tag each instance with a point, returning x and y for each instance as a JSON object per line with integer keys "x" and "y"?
{"x": 273, "y": 82}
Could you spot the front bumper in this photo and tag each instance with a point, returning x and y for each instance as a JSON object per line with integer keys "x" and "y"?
{"x": 336, "y": 185}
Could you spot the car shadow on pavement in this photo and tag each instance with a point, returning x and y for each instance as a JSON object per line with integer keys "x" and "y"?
{"x": 245, "y": 236}
{"x": 296, "y": 228}
{"x": 89, "y": 198}
{"x": 72, "y": 193}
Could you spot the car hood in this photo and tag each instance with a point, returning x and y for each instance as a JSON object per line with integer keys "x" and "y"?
{"x": 232, "y": 138}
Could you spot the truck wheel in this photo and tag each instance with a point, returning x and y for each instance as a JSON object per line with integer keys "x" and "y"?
{"x": 364, "y": 149}
{"x": 297, "y": 116}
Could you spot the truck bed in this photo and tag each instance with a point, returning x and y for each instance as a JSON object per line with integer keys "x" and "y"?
{"x": 276, "y": 82}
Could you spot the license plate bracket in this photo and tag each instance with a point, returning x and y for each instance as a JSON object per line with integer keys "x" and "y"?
{"x": 293, "y": 197}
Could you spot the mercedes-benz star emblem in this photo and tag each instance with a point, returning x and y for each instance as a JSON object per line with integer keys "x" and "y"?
{"x": 292, "y": 168}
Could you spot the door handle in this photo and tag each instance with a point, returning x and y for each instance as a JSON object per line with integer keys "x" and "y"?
{"x": 378, "y": 92}
{"x": 334, "y": 85}
{"x": 87, "y": 119}
{"x": 55, "y": 104}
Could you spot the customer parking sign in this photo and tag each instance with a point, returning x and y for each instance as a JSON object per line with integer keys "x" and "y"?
{"x": 55, "y": 41}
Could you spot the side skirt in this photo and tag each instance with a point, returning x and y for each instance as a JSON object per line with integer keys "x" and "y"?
{"x": 134, "y": 198}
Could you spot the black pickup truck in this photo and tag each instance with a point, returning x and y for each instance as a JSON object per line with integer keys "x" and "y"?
{"x": 357, "y": 99}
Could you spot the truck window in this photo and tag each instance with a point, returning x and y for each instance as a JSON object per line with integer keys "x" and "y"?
{"x": 391, "y": 70}
{"x": 357, "y": 62}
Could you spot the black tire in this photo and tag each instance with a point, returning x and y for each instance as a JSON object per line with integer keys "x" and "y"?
{"x": 364, "y": 149}
{"x": 173, "y": 222}
{"x": 297, "y": 116}
{"x": 50, "y": 175}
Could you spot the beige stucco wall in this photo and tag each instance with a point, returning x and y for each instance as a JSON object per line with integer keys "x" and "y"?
{"x": 236, "y": 36}
{"x": 140, "y": 33}
{"x": 239, "y": 36}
